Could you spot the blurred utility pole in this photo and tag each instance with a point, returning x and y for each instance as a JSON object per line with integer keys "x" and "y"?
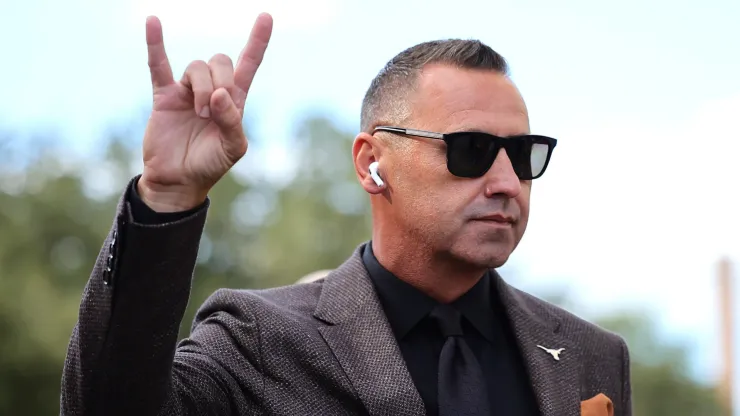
{"x": 727, "y": 333}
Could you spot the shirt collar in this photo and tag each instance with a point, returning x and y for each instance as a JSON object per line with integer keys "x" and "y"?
{"x": 479, "y": 307}
{"x": 405, "y": 306}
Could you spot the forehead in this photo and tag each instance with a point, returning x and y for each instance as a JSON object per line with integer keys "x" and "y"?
{"x": 448, "y": 99}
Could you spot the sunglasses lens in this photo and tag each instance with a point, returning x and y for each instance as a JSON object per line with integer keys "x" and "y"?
{"x": 470, "y": 155}
{"x": 538, "y": 158}
{"x": 528, "y": 156}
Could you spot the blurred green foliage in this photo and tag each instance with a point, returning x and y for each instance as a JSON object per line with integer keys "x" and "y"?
{"x": 55, "y": 213}
{"x": 660, "y": 381}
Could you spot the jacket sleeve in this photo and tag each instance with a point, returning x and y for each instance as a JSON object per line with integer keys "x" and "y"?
{"x": 122, "y": 358}
{"x": 626, "y": 381}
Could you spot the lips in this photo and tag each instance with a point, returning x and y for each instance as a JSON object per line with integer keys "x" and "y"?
{"x": 498, "y": 218}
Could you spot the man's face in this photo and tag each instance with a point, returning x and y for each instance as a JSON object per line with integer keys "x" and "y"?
{"x": 443, "y": 212}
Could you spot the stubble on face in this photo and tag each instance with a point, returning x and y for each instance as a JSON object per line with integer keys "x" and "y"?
{"x": 434, "y": 207}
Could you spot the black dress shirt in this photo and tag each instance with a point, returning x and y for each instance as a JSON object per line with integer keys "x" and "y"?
{"x": 486, "y": 330}
{"x": 145, "y": 215}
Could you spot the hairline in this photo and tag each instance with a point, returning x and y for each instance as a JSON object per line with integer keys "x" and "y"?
{"x": 408, "y": 86}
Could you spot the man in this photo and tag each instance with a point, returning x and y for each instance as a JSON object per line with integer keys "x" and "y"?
{"x": 417, "y": 321}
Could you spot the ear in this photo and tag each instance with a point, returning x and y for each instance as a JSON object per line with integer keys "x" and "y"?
{"x": 366, "y": 150}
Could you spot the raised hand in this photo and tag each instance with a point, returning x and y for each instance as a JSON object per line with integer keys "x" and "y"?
{"x": 195, "y": 134}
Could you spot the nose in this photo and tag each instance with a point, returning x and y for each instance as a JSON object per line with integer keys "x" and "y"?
{"x": 501, "y": 179}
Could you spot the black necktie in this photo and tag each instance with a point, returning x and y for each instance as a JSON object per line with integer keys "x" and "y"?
{"x": 461, "y": 386}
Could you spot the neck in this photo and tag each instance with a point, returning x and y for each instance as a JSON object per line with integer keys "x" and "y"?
{"x": 438, "y": 276}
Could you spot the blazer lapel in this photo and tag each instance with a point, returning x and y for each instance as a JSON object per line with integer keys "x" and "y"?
{"x": 360, "y": 336}
{"x": 556, "y": 383}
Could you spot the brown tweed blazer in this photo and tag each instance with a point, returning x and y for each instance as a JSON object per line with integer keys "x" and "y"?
{"x": 321, "y": 348}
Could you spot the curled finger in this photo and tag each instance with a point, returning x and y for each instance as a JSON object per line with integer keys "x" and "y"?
{"x": 222, "y": 72}
{"x": 198, "y": 79}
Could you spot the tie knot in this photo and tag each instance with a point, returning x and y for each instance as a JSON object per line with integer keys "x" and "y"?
{"x": 448, "y": 319}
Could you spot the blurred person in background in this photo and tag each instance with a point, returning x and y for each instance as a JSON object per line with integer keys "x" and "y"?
{"x": 314, "y": 276}
{"x": 417, "y": 321}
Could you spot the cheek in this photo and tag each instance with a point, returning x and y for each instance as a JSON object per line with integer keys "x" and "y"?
{"x": 435, "y": 158}
{"x": 425, "y": 188}
{"x": 522, "y": 201}
{"x": 424, "y": 169}
{"x": 432, "y": 164}
{"x": 523, "y": 198}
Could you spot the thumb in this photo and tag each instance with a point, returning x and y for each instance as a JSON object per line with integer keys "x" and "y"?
{"x": 228, "y": 118}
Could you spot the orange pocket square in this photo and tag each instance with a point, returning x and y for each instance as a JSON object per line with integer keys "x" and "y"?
{"x": 599, "y": 405}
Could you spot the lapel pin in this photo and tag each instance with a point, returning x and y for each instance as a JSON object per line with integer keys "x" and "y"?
{"x": 555, "y": 353}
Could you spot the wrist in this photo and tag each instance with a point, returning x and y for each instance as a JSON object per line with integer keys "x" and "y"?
{"x": 166, "y": 199}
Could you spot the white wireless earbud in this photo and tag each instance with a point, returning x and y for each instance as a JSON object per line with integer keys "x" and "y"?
{"x": 374, "y": 173}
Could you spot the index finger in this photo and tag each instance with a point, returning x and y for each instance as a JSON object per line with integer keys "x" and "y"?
{"x": 252, "y": 54}
{"x": 159, "y": 65}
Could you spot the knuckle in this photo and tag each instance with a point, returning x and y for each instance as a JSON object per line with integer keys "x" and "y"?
{"x": 156, "y": 62}
{"x": 197, "y": 66}
{"x": 239, "y": 97}
{"x": 199, "y": 77}
{"x": 221, "y": 59}
{"x": 203, "y": 90}
{"x": 235, "y": 119}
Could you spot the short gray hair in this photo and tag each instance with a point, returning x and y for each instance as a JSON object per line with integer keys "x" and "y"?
{"x": 386, "y": 99}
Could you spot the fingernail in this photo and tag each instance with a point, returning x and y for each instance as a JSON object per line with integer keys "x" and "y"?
{"x": 205, "y": 112}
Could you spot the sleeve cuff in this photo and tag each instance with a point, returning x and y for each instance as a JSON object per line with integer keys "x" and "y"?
{"x": 142, "y": 214}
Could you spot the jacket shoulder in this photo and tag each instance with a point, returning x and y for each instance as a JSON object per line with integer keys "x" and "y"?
{"x": 297, "y": 300}
{"x": 588, "y": 335}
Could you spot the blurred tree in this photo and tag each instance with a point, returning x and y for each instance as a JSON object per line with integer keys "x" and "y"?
{"x": 50, "y": 232}
{"x": 55, "y": 213}
{"x": 661, "y": 382}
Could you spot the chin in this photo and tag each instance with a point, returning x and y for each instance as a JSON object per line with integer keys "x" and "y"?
{"x": 493, "y": 261}
{"x": 483, "y": 247}
{"x": 486, "y": 255}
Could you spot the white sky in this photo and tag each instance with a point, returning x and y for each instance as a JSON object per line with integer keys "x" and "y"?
{"x": 640, "y": 200}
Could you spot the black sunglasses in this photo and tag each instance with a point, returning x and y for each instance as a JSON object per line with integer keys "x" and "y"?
{"x": 471, "y": 154}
